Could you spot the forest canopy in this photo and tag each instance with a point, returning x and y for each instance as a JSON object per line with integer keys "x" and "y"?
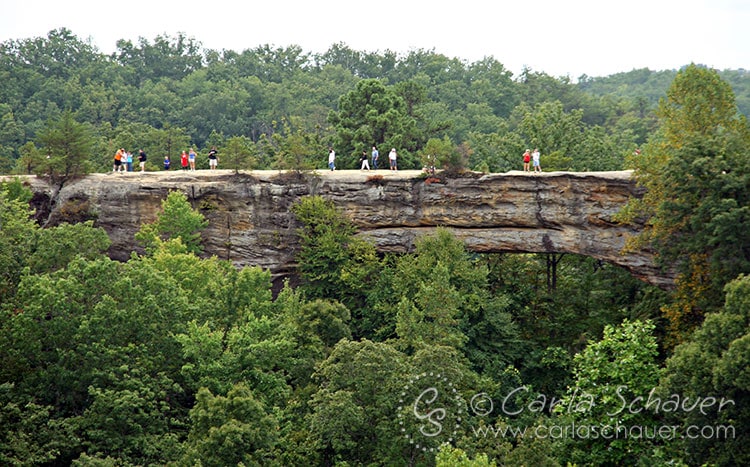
{"x": 168, "y": 94}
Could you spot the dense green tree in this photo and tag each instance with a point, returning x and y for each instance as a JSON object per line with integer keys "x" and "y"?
{"x": 554, "y": 132}
{"x": 67, "y": 145}
{"x": 696, "y": 171}
{"x": 55, "y": 247}
{"x": 443, "y": 154}
{"x": 105, "y": 352}
{"x": 430, "y": 318}
{"x": 333, "y": 264}
{"x": 500, "y": 151}
{"x": 177, "y": 220}
{"x": 168, "y": 140}
{"x": 353, "y": 410}
{"x": 30, "y": 159}
{"x": 166, "y": 57}
{"x": 28, "y": 435}
{"x": 237, "y": 154}
{"x": 611, "y": 377}
{"x": 443, "y": 300}
{"x": 372, "y": 115}
{"x": 230, "y": 430}
{"x": 536, "y": 88}
{"x": 130, "y": 418}
{"x": 11, "y": 137}
{"x": 712, "y": 367}
{"x": 449, "y": 456}
{"x": 493, "y": 82}
{"x": 25, "y": 245}
{"x": 17, "y": 231}
{"x": 291, "y": 147}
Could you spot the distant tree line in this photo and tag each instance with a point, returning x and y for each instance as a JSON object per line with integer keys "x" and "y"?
{"x": 282, "y": 107}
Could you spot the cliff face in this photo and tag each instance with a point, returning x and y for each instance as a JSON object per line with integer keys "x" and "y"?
{"x": 251, "y": 222}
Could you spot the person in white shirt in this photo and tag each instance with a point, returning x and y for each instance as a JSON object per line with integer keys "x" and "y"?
{"x": 535, "y": 160}
{"x": 331, "y": 159}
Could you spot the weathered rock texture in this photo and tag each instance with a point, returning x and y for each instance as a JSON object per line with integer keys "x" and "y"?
{"x": 251, "y": 222}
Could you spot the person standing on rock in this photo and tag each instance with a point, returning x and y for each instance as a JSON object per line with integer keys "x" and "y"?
{"x": 331, "y": 159}
{"x": 392, "y": 157}
{"x": 526, "y": 160}
{"x": 191, "y": 158}
{"x": 363, "y": 161}
{"x": 129, "y": 161}
{"x": 535, "y": 159}
{"x": 167, "y": 162}
{"x": 184, "y": 160}
{"x": 375, "y": 155}
{"x": 213, "y": 158}
{"x": 142, "y": 159}
{"x": 118, "y": 160}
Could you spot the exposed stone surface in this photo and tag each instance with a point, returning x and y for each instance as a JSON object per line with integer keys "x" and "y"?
{"x": 251, "y": 222}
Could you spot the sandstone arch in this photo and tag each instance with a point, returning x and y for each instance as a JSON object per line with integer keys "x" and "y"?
{"x": 250, "y": 222}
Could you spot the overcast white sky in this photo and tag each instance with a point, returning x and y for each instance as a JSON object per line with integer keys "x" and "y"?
{"x": 559, "y": 37}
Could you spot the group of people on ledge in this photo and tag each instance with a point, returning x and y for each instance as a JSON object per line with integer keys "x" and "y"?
{"x": 123, "y": 160}
{"x": 364, "y": 162}
{"x": 531, "y": 157}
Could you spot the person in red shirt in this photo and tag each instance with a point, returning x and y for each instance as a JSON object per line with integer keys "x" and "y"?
{"x": 184, "y": 160}
{"x": 526, "y": 160}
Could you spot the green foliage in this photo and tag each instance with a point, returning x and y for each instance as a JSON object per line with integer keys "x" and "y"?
{"x": 29, "y": 436}
{"x": 237, "y": 154}
{"x": 449, "y": 456}
{"x": 30, "y": 159}
{"x": 430, "y": 319}
{"x": 24, "y": 245}
{"x": 230, "y": 430}
{"x": 442, "y": 154}
{"x": 352, "y": 415}
{"x": 16, "y": 241}
{"x": 67, "y": 145}
{"x": 374, "y": 115}
{"x": 330, "y": 257}
{"x": 131, "y": 418}
{"x": 444, "y": 301}
{"x": 56, "y": 247}
{"x": 16, "y": 189}
{"x": 292, "y": 147}
{"x": 714, "y": 364}
{"x": 611, "y": 375}
{"x": 696, "y": 174}
{"x": 177, "y": 220}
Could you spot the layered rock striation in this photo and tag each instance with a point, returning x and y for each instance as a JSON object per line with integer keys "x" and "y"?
{"x": 251, "y": 223}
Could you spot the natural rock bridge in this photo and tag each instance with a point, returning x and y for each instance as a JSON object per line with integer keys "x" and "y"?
{"x": 251, "y": 223}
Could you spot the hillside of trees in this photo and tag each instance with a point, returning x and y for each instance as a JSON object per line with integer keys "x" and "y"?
{"x": 284, "y": 107}
{"x": 435, "y": 357}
